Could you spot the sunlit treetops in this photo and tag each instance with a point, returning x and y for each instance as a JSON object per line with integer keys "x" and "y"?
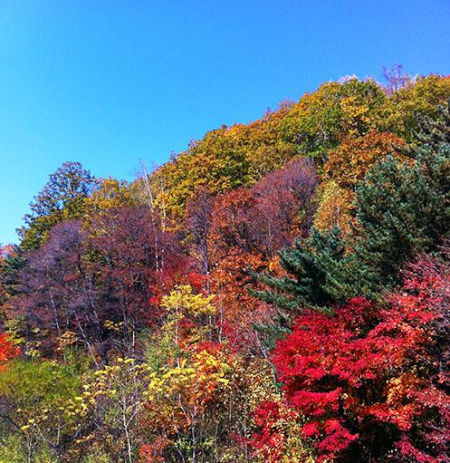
{"x": 239, "y": 155}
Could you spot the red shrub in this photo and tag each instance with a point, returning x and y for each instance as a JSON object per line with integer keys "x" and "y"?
{"x": 372, "y": 383}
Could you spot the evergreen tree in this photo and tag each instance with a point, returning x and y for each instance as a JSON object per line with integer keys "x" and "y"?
{"x": 311, "y": 263}
{"x": 404, "y": 209}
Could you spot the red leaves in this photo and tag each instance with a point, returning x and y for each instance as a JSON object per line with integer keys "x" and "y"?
{"x": 316, "y": 403}
{"x": 371, "y": 375}
{"x": 196, "y": 280}
{"x": 7, "y": 350}
{"x": 337, "y": 438}
{"x": 271, "y": 417}
{"x": 153, "y": 453}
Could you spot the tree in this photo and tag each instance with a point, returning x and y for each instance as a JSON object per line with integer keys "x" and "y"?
{"x": 309, "y": 266}
{"x": 57, "y": 295}
{"x": 371, "y": 382}
{"x": 395, "y": 78}
{"x": 345, "y": 168}
{"x": 264, "y": 218}
{"x": 134, "y": 262}
{"x": 108, "y": 193}
{"x": 192, "y": 405}
{"x": 402, "y": 209}
{"x": 62, "y": 198}
{"x": 320, "y": 120}
{"x": 199, "y": 218}
{"x": 420, "y": 98}
{"x": 107, "y": 411}
{"x": 279, "y": 438}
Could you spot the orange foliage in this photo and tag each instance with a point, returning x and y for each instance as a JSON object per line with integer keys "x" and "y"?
{"x": 345, "y": 168}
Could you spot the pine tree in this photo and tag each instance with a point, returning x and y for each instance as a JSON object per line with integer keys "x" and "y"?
{"x": 310, "y": 262}
{"x": 404, "y": 209}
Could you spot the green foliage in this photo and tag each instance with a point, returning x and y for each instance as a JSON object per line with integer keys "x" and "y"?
{"x": 38, "y": 383}
{"x": 62, "y": 198}
{"x": 9, "y": 271}
{"x": 402, "y": 210}
{"x": 309, "y": 262}
{"x": 12, "y": 450}
{"x": 321, "y": 119}
{"x": 33, "y": 395}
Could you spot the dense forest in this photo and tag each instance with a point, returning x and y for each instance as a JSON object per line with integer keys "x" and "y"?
{"x": 278, "y": 292}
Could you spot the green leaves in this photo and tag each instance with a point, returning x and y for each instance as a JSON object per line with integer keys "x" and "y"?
{"x": 62, "y": 198}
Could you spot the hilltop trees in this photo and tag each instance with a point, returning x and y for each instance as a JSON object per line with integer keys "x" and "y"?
{"x": 62, "y": 198}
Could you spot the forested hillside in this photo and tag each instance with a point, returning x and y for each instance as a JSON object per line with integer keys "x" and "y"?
{"x": 278, "y": 292}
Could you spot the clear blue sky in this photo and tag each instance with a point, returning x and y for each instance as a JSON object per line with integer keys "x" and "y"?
{"x": 113, "y": 82}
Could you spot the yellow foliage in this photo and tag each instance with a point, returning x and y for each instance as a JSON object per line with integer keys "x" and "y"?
{"x": 182, "y": 299}
{"x": 335, "y": 207}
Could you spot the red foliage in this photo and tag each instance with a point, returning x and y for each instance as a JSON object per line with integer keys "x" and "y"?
{"x": 372, "y": 382}
{"x": 270, "y": 441}
{"x": 7, "y": 350}
{"x": 153, "y": 453}
{"x": 196, "y": 280}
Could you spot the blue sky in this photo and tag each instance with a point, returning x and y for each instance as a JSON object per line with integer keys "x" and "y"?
{"x": 113, "y": 82}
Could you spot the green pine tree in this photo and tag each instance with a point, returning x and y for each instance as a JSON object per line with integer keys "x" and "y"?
{"x": 310, "y": 263}
{"x": 404, "y": 209}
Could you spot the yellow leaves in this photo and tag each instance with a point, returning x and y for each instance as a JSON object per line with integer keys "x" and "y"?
{"x": 109, "y": 193}
{"x": 113, "y": 326}
{"x": 182, "y": 299}
{"x": 355, "y": 114}
{"x": 421, "y": 97}
{"x": 182, "y": 304}
{"x": 67, "y": 339}
{"x": 334, "y": 208}
{"x": 185, "y": 389}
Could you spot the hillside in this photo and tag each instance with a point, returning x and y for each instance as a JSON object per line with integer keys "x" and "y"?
{"x": 279, "y": 292}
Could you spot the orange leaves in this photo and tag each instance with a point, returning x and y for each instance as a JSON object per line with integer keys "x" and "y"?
{"x": 7, "y": 350}
{"x": 348, "y": 164}
{"x": 345, "y": 168}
